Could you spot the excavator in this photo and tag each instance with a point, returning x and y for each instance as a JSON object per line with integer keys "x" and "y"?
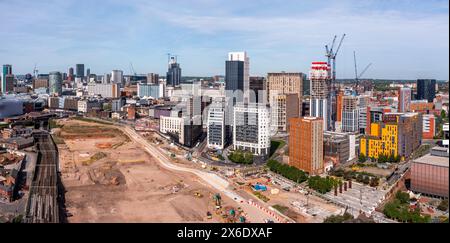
{"x": 218, "y": 199}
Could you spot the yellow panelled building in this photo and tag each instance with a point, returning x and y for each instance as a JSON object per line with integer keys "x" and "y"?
{"x": 382, "y": 140}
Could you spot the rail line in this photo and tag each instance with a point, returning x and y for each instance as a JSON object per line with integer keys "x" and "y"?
{"x": 42, "y": 205}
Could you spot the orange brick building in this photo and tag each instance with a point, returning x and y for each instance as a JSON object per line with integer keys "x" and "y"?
{"x": 306, "y": 144}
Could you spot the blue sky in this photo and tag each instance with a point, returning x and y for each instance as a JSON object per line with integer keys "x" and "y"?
{"x": 404, "y": 39}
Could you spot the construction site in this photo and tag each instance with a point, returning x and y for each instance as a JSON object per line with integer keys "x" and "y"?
{"x": 109, "y": 178}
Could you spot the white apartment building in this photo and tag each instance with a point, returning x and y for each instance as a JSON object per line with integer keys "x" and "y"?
{"x": 174, "y": 125}
{"x": 251, "y": 128}
{"x": 216, "y": 125}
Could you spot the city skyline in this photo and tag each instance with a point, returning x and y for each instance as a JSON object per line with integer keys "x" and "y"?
{"x": 403, "y": 39}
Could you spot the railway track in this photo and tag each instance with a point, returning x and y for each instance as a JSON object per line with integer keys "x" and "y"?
{"x": 42, "y": 205}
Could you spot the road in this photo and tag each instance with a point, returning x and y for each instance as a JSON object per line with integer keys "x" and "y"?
{"x": 254, "y": 214}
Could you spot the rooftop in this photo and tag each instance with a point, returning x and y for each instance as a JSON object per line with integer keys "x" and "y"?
{"x": 433, "y": 160}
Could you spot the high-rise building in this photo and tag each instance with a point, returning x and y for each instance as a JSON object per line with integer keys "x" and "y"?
{"x": 55, "y": 83}
{"x": 236, "y": 85}
{"x": 80, "y": 71}
{"x": 350, "y": 114}
{"x": 404, "y": 100}
{"x": 216, "y": 124}
{"x": 258, "y": 90}
{"x": 236, "y": 76}
{"x": 117, "y": 77}
{"x": 251, "y": 128}
{"x": 363, "y": 103}
{"x": 174, "y": 73}
{"x": 152, "y": 78}
{"x": 426, "y": 89}
{"x": 8, "y": 83}
{"x": 283, "y": 108}
{"x": 306, "y": 144}
{"x": 7, "y": 70}
{"x": 286, "y": 83}
{"x": 106, "y": 79}
{"x": 320, "y": 93}
{"x": 71, "y": 73}
{"x": 339, "y": 105}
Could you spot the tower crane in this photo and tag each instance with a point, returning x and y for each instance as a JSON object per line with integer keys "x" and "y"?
{"x": 133, "y": 72}
{"x": 332, "y": 55}
{"x": 358, "y": 76}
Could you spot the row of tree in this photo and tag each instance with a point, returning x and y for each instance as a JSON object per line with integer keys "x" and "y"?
{"x": 323, "y": 185}
{"x": 287, "y": 171}
{"x": 361, "y": 177}
{"x": 381, "y": 158}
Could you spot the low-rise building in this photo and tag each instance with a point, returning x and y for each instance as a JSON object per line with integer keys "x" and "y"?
{"x": 429, "y": 126}
{"x": 429, "y": 174}
{"x": 85, "y": 105}
{"x": 337, "y": 146}
{"x": 104, "y": 90}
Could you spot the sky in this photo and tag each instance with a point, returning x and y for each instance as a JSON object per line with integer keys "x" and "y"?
{"x": 404, "y": 39}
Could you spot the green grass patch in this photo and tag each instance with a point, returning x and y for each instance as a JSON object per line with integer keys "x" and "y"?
{"x": 92, "y": 120}
{"x": 241, "y": 157}
{"x": 261, "y": 196}
{"x": 280, "y": 208}
{"x": 275, "y": 145}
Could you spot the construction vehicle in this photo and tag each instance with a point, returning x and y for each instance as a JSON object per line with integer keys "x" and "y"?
{"x": 218, "y": 199}
{"x": 198, "y": 194}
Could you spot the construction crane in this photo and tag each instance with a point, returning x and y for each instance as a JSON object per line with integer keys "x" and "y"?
{"x": 171, "y": 56}
{"x": 132, "y": 71}
{"x": 332, "y": 55}
{"x": 358, "y": 76}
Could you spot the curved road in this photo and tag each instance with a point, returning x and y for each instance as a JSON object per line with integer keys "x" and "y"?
{"x": 254, "y": 214}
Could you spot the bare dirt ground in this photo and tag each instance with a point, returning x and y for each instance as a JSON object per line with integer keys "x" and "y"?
{"x": 110, "y": 179}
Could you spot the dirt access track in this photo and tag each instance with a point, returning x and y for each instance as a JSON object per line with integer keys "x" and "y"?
{"x": 109, "y": 178}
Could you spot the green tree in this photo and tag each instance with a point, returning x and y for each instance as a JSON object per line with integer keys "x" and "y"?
{"x": 374, "y": 181}
{"x": 362, "y": 158}
{"x": 366, "y": 180}
{"x": 403, "y": 197}
{"x": 338, "y": 218}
